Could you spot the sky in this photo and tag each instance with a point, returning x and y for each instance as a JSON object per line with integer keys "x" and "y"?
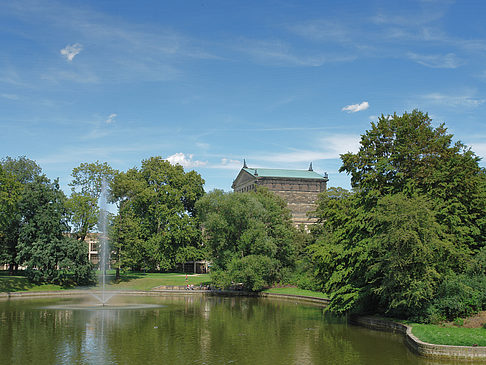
{"x": 207, "y": 84}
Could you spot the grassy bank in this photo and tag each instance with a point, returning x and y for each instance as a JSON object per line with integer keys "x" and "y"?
{"x": 457, "y": 336}
{"x": 297, "y": 291}
{"x": 147, "y": 281}
{"x": 128, "y": 281}
{"x": 20, "y": 283}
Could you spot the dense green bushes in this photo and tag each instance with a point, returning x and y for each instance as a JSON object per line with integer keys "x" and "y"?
{"x": 249, "y": 237}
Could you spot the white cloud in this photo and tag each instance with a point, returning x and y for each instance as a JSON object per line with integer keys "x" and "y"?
{"x": 436, "y": 61}
{"x": 356, "y": 107}
{"x": 71, "y": 51}
{"x": 479, "y": 149}
{"x": 322, "y": 30}
{"x": 465, "y": 100}
{"x": 277, "y": 52}
{"x": 111, "y": 118}
{"x": 332, "y": 147}
{"x": 185, "y": 160}
{"x": 10, "y": 96}
{"x": 229, "y": 164}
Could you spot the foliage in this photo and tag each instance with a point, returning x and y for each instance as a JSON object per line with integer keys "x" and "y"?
{"x": 255, "y": 272}
{"x": 416, "y": 215}
{"x": 43, "y": 247}
{"x": 15, "y": 174}
{"x": 158, "y": 202}
{"x": 459, "y": 295}
{"x": 83, "y": 213}
{"x": 89, "y": 178}
{"x": 407, "y": 154}
{"x": 88, "y": 182}
{"x": 24, "y": 169}
{"x": 243, "y": 231}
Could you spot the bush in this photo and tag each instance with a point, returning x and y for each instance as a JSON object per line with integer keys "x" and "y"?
{"x": 254, "y": 272}
{"x": 459, "y": 296}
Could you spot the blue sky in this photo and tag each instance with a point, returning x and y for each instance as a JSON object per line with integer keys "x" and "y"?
{"x": 208, "y": 83}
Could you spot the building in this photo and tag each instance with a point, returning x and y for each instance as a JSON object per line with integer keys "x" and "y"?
{"x": 92, "y": 240}
{"x": 299, "y": 188}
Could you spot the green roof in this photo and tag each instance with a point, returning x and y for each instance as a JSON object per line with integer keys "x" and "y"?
{"x": 296, "y": 174}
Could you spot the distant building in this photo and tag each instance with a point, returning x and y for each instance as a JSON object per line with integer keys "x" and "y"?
{"x": 92, "y": 240}
{"x": 298, "y": 187}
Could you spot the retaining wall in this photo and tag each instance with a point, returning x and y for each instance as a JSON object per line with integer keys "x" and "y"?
{"x": 418, "y": 346}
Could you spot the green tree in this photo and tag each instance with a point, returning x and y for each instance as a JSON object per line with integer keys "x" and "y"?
{"x": 10, "y": 193}
{"x": 417, "y": 214}
{"x": 406, "y": 154}
{"x": 16, "y": 174}
{"x": 83, "y": 212}
{"x": 49, "y": 255}
{"x": 159, "y": 198}
{"x": 88, "y": 178}
{"x": 246, "y": 230}
{"x": 87, "y": 184}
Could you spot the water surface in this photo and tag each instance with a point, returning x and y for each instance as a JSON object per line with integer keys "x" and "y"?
{"x": 189, "y": 330}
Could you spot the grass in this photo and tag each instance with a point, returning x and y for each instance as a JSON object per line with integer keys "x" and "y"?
{"x": 297, "y": 291}
{"x": 128, "y": 281}
{"x": 20, "y": 283}
{"x": 147, "y": 281}
{"x": 458, "y": 336}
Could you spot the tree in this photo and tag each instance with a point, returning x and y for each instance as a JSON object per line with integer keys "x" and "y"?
{"x": 89, "y": 180}
{"x": 84, "y": 213}
{"x": 15, "y": 175}
{"x": 406, "y": 154}
{"x": 24, "y": 169}
{"x": 49, "y": 255}
{"x": 160, "y": 199}
{"x": 10, "y": 193}
{"x": 246, "y": 231}
{"x": 417, "y": 213}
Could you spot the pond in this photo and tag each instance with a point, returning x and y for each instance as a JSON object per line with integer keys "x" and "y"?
{"x": 188, "y": 329}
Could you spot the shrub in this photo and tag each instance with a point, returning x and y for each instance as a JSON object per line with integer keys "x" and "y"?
{"x": 459, "y": 296}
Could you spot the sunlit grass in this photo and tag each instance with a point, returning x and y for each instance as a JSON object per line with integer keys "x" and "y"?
{"x": 128, "y": 281}
{"x": 20, "y": 283}
{"x": 297, "y": 291}
{"x": 458, "y": 336}
{"x": 147, "y": 281}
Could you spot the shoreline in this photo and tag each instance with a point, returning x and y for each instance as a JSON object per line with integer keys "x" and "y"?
{"x": 418, "y": 346}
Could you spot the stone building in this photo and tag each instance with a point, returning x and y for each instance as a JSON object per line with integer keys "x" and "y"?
{"x": 298, "y": 187}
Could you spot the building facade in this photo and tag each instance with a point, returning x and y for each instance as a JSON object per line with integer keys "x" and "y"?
{"x": 299, "y": 188}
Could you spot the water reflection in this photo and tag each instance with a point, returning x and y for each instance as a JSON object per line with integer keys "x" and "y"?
{"x": 190, "y": 330}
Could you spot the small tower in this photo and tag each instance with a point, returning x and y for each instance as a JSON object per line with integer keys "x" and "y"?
{"x": 310, "y": 167}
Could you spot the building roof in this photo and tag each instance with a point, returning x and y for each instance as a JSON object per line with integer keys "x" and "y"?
{"x": 296, "y": 174}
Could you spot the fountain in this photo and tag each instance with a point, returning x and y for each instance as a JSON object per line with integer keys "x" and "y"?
{"x": 104, "y": 249}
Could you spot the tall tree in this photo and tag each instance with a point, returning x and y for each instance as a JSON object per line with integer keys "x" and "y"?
{"x": 83, "y": 212}
{"x": 48, "y": 254}
{"x": 88, "y": 178}
{"x": 250, "y": 230}
{"x": 17, "y": 174}
{"x": 10, "y": 193}
{"x": 160, "y": 197}
{"x": 417, "y": 212}
{"x": 88, "y": 182}
{"x": 407, "y": 154}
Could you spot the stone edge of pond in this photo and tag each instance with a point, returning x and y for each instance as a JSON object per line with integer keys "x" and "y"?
{"x": 416, "y": 345}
